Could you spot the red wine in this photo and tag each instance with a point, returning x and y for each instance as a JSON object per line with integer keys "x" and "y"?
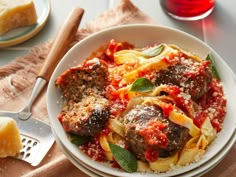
{"x": 188, "y": 8}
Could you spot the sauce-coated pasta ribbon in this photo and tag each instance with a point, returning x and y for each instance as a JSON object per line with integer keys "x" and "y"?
{"x": 175, "y": 116}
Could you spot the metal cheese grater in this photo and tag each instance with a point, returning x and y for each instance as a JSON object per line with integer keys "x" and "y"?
{"x": 36, "y": 136}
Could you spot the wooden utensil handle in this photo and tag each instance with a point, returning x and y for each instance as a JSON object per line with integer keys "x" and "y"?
{"x": 61, "y": 43}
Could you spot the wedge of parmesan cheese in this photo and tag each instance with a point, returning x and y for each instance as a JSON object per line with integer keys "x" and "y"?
{"x": 10, "y": 140}
{"x": 16, "y": 13}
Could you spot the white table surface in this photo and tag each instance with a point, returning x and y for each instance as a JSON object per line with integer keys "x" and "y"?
{"x": 218, "y": 30}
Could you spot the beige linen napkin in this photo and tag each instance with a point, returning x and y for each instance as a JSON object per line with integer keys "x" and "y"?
{"x": 18, "y": 77}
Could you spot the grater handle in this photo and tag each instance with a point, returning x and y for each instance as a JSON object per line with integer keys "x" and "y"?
{"x": 61, "y": 43}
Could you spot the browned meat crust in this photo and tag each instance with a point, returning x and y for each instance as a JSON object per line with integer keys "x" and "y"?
{"x": 86, "y": 79}
{"x": 87, "y": 117}
{"x": 194, "y": 77}
{"x": 139, "y": 117}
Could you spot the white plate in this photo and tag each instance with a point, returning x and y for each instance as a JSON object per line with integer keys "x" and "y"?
{"x": 19, "y": 35}
{"x": 193, "y": 173}
{"x": 141, "y": 36}
{"x": 204, "y": 168}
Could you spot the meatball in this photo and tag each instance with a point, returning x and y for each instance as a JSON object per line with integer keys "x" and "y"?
{"x": 86, "y": 79}
{"x": 87, "y": 117}
{"x": 142, "y": 116}
{"x": 194, "y": 77}
{"x": 87, "y": 109}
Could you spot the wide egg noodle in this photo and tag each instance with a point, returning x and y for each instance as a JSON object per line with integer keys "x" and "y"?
{"x": 143, "y": 64}
{"x": 185, "y": 121}
{"x": 190, "y": 55}
{"x": 175, "y": 116}
{"x": 113, "y": 138}
{"x": 105, "y": 146}
{"x": 196, "y": 146}
{"x": 167, "y": 88}
{"x": 188, "y": 156}
{"x": 143, "y": 167}
{"x": 164, "y": 164}
{"x": 208, "y": 131}
{"x": 116, "y": 126}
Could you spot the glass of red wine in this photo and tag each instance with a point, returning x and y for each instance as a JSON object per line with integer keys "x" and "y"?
{"x": 188, "y": 9}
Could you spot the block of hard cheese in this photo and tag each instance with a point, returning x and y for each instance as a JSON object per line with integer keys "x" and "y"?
{"x": 10, "y": 140}
{"x": 16, "y": 13}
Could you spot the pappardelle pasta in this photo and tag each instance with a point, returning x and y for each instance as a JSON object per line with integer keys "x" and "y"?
{"x": 159, "y": 104}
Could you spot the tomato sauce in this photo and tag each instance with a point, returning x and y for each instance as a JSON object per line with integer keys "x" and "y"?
{"x": 153, "y": 134}
{"x": 94, "y": 150}
{"x": 151, "y": 155}
{"x": 212, "y": 105}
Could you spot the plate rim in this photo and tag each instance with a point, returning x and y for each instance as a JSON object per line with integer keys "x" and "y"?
{"x": 208, "y": 166}
{"x": 71, "y": 159}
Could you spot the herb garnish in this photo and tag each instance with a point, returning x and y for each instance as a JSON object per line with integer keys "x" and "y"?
{"x": 124, "y": 158}
{"x": 142, "y": 85}
{"x": 79, "y": 140}
{"x": 153, "y": 51}
{"x": 212, "y": 66}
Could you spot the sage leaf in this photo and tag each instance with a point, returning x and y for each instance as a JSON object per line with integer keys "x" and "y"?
{"x": 124, "y": 158}
{"x": 212, "y": 66}
{"x": 142, "y": 85}
{"x": 153, "y": 51}
{"x": 79, "y": 140}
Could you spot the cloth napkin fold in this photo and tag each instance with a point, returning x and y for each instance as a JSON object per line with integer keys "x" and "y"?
{"x": 18, "y": 77}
